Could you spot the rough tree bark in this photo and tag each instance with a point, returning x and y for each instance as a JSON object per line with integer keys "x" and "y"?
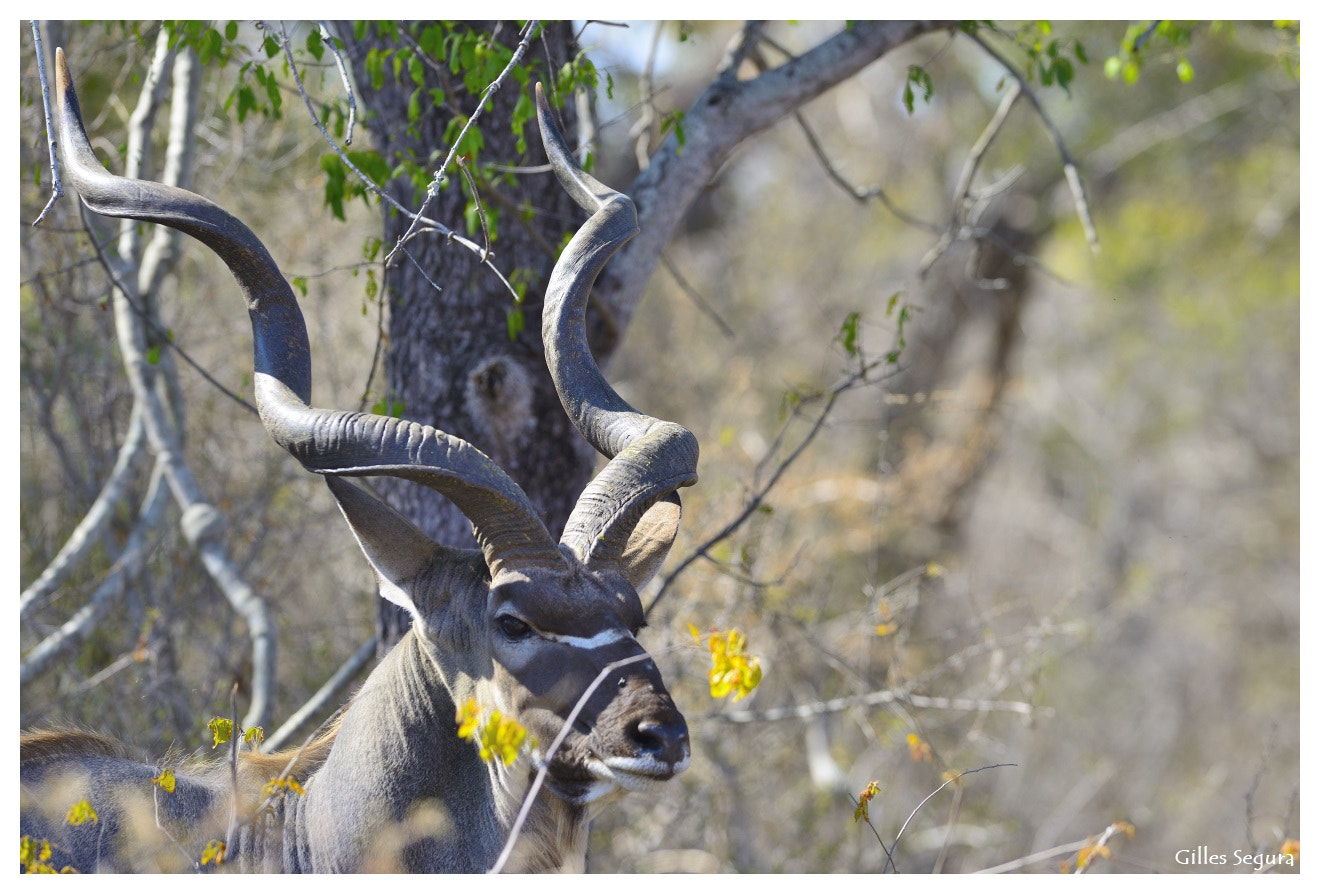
{"x": 450, "y": 359}
{"x": 451, "y": 362}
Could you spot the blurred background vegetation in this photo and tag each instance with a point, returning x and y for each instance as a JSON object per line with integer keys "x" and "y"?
{"x": 1059, "y": 535}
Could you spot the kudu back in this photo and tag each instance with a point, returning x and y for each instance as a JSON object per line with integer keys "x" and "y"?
{"x": 523, "y": 624}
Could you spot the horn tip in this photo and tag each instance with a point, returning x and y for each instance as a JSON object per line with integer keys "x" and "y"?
{"x": 63, "y": 81}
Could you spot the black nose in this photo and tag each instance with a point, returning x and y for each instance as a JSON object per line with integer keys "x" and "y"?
{"x": 665, "y": 740}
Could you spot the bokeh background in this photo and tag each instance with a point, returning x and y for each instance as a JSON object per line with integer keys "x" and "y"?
{"x": 1058, "y": 539}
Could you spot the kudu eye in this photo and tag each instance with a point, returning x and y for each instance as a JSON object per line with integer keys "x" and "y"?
{"x": 513, "y": 628}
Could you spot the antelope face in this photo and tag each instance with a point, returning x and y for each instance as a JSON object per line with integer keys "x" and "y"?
{"x": 552, "y": 635}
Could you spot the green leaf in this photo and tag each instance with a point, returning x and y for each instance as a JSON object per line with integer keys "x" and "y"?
{"x": 848, "y": 333}
{"x": 917, "y": 76}
{"x": 314, "y": 45}
{"x": 334, "y": 184}
{"x": 514, "y": 322}
{"x": 247, "y": 102}
{"x": 153, "y": 355}
{"x": 231, "y": 30}
{"x": 1185, "y": 71}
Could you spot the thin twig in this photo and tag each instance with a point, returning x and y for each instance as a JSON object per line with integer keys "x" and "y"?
{"x": 235, "y": 733}
{"x": 476, "y": 200}
{"x": 962, "y": 190}
{"x": 861, "y": 195}
{"x": 874, "y": 699}
{"x": 433, "y": 188}
{"x": 144, "y": 315}
{"x": 367, "y": 182}
{"x": 1070, "y": 169}
{"x": 57, "y": 187}
{"x": 541, "y": 773}
{"x": 890, "y": 861}
{"x": 702, "y": 304}
{"x": 851, "y": 381}
{"x": 328, "y": 38}
{"x": 338, "y": 680}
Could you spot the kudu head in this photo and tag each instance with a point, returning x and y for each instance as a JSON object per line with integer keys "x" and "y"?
{"x": 525, "y": 625}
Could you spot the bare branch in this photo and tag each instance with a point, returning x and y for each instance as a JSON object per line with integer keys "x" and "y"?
{"x": 760, "y": 492}
{"x": 1070, "y": 170}
{"x": 962, "y": 191}
{"x": 947, "y": 782}
{"x": 57, "y": 188}
{"x": 84, "y": 621}
{"x": 640, "y": 132}
{"x": 726, "y": 114}
{"x": 328, "y": 693}
{"x": 702, "y": 304}
{"x": 330, "y": 40}
{"x": 877, "y": 698}
{"x": 433, "y": 189}
{"x": 85, "y": 535}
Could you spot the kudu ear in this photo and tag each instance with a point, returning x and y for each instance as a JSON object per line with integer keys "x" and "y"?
{"x": 397, "y": 550}
{"x": 650, "y": 540}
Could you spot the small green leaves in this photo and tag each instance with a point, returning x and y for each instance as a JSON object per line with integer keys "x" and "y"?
{"x": 674, "y": 121}
{"x": 515, "y": 322}
{"x": 848, "y": 333}
{"x": 1146, "y": 39}
{"x": 384, "y": 407}
{"x": 904, "y": 315}
{"x": 315, "y": 47}
{"x": 919, "y": 77}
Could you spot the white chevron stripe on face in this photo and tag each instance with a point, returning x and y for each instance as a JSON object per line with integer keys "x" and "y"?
{"x": 604, "y": 638}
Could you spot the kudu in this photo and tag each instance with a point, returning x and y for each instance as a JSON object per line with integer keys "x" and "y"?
{"x": 523, "y": 625}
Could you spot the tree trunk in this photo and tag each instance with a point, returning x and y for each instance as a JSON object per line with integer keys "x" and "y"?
{"x": 450, "y": 359}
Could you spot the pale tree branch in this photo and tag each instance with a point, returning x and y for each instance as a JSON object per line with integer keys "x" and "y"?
{"x": 57, "y": 188}
{"x": 1070, "y": 169}
{"x": 201, "y": 522}
{"x": 727, "y": 113}
{"x": 881, "y": 697}
{"x": 129, "y": 564}
{"x": 332, "y": 42}
{"x": 89, "y": 529}
{"x": 328, "y": 694}
{"x": 640, "y": 132}
{"x": 962, "y": 190}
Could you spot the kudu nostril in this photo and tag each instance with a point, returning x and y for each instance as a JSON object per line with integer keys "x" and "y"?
{"x": 664, "y": 740}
